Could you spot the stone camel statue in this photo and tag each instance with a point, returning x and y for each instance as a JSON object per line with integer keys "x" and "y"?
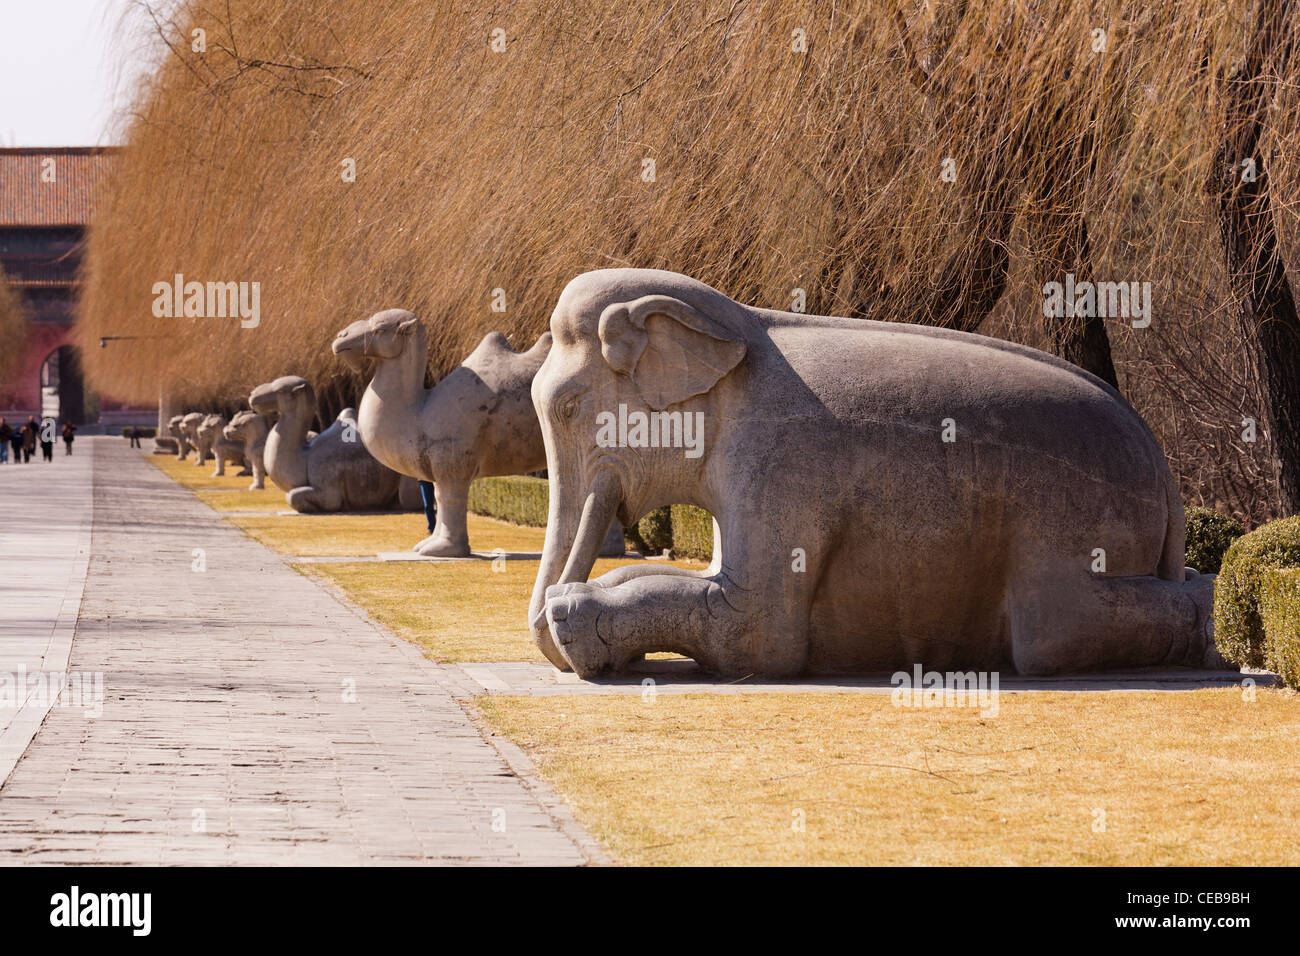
{"x": 251, "y": 430}
{"x": 477, "y": 422}
{"x": 883, "y": 494}
{"x": 176, "y": 428}
{"x": 190, "y": 426}
{"x": 332, "y": 473}
{"x": 213, "y": 441}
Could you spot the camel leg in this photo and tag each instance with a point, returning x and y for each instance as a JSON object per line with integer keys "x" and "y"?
{"x": 450, "y": 538}
{"x": 259, "y": 478}
{"x": 1080, "y": 622}
{"x": 220, "y": 471}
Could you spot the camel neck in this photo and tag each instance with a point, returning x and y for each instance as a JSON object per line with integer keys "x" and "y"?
{"x": 400, "y": 380}
{"x": 392, "y": 407}
{"x": 293, "y": 426}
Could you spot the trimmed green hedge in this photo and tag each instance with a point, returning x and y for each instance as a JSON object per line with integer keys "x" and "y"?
{"x": 1238, "y": 627}
{"x": 654, "y": 532}
{"x": 684, "y": 530}
{"x": 1279, "y": 607}
{"x": 518, "y": 498}
{"x": 692, "y": 532}
{"x": 1209, "y": 535}
{"x": 144, "y": 432}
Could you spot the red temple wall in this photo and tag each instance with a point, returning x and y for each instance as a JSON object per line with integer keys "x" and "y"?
{"x": 23, "y": 392}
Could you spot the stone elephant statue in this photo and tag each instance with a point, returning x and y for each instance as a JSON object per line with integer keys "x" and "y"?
{"x": 477, "y": 422}
{"x": 883, "y": 495}
{"x": 250, "y": 429}
{"x": 331, "y": 472}
{"x": 212, "y": 441}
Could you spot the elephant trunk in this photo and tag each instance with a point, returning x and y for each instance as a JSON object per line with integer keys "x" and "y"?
{"x": 570, "y": 552}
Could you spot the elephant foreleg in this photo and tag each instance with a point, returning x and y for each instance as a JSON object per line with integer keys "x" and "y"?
{"x": 599, "y": 627}
{"x": 627, "y": 572}
{"x": 615, "y": 546}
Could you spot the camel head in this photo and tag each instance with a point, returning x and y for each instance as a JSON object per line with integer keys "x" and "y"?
{"x": 175, "y": 428}
{"x": 291, "y": 396}
{"x": 246, "y": 426}
{"x": 382, "y": 336}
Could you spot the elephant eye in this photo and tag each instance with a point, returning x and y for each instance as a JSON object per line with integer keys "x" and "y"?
{"x": 567, "y": 406}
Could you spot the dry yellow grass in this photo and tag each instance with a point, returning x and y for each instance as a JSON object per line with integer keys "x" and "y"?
{"x": 197, "y": 478}
{"x": 228, "y": 493}
{"x": 270, "y": 500}
{"x": 336, "y": 535}
{"x": 1195, "y": 778}
{"x": 329, "y": 534}
{"x": 456, "y": 611}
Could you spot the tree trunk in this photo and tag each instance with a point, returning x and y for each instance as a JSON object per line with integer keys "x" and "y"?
{"x": 1266, "y": 306}
{"x": 1081, "y": 340}
{"x": 972, "y": 281}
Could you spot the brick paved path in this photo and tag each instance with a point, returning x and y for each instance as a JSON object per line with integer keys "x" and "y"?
{"x": 248, "y": 717}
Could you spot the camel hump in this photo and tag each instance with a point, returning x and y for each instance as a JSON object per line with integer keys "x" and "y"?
{"x": 494, "y": 343}
{"x": 502, "y": 368}
{"x": 348, "y": 415}
{"x": 542, "y": 346}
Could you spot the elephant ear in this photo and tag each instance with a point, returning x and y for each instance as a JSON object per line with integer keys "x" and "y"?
{"x": 671, "y": 350}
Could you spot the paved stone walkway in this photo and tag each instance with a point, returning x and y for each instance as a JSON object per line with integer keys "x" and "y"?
{"x": 45, "y": 516}
{"x": 247, "y": 716}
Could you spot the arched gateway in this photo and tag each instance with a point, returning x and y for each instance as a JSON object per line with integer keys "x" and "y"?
{"x": 47, "y": 197}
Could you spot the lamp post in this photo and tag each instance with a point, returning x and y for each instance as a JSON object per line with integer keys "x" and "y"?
{"x": 165, "y": 402}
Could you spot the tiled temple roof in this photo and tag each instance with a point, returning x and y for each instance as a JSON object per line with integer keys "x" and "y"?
{"x": 79, "y": 173}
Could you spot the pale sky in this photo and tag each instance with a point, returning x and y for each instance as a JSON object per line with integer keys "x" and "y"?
{"x": 67, "y": 68}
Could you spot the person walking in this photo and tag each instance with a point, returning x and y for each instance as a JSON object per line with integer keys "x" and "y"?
{"x": 29, "y": 438}
{"x": 430, "y": 504}
{"x": 16, "y": 444}
{"x": 69, "y": 430}
{"x": 133, "y": 433}
{"x": 6, "y": 434}
{"x": 47, "y": 438}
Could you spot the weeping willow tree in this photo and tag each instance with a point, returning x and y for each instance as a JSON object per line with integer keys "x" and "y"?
{"x": 934, "y": 162}
{"x": 13, "y": 329}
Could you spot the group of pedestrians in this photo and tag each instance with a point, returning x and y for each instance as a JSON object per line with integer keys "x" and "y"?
{"x": 22, "y": 441}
